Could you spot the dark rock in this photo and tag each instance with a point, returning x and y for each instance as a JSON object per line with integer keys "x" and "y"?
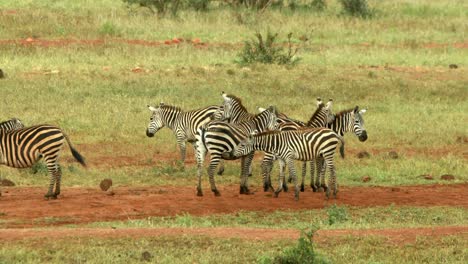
{"x": 105, "y": 184}
{"x": 6, "y": 182}
{"x": 393, "y": 155}
{"x": 447, "y": 177}
{"x": 366, "y": 179}
{"x": 146, "y": 256}
{"x": 453, "y": 66}
{"x": 363, "y": 154}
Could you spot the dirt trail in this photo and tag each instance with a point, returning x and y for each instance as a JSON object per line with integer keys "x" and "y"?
{"x": 393, "y": 235}
{"x": 25, "y": 207}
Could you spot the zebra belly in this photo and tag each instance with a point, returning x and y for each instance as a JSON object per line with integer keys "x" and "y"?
{"x": 18, "y": 161}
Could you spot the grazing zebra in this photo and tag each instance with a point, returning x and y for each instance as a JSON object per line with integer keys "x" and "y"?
{"x": 217, "y": 137}
{"x": 11, "y": 124}
{"x": 344, "y": 121}
{"x": 304, "y": 144}
{"x": 184, "y": 124}
{"x": 23, "y": 147}
{"x": 320, "y": 118}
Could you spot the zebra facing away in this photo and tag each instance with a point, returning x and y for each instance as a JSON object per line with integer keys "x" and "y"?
{"x": 184, "y": 124}
{"x": 217, "y": 137}
{"x": 23, "y": 147}
{"x": 11, "y": 124}
{"x": 303, "y": 144}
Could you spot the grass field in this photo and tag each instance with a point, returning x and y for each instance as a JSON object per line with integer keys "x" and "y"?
{"x": 91, "y": 67}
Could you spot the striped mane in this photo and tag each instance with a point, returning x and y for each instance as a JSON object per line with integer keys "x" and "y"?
{"x": 316, "y": 113}
{"x": 344, "y": 112}
{"x": 239, "y": 101}
{"x": 171, "y": 108}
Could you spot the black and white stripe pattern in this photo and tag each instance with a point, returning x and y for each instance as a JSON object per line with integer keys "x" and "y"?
{"x": 305, "y": 145}
{"x": 184, "y": 124}
{"x": 21, "y": 148}
{"x": 11, "y": 124}
{"x": 217, "y": 137}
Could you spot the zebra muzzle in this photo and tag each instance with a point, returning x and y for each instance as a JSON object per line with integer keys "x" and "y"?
{"x": 149, "y": 134}
{"x": 228, "y": 155}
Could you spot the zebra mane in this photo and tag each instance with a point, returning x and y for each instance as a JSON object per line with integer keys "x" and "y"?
{"x": 239, "y": 101}
{"x": 171, "y": 108}
{"x": 269, "y": 132}
{"x": 314, "y": 115}
{"x": 344, "y": 112}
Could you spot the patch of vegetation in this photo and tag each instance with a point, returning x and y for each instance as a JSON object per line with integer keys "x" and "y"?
{"x": 337, "y": 214}
{"x": 266, "y": 51}
{"x": 109, "y": 29}
{"x": 301, "y": 253}
{"x": 39, "y": 168}
{"x": 357, "y": 8}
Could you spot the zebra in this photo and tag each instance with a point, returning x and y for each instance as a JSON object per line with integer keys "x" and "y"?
{"x": 11, "y": 124}
{"x": 217, "y": 137}
{"x": 344, "y": 121}
{"x": 184, "y": 124}
{"x": 304, "y": 144}
{"x": 320, "y": 118}
{"x": 22, "y": 148}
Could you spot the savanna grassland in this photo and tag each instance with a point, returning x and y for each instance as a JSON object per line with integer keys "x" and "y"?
{"x": 92, "y": 67}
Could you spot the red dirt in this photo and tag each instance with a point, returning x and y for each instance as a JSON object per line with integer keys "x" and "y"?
{"x": 398, "y": 236}
{"x": 25, "y": 207}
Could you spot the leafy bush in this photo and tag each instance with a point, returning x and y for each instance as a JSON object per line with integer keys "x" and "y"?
{"x": 160, "y": 7}
{"x": 267, "y": 52}
{"x": 199, "y": 5}
{"x": 302, "y": 253}
{"x": 319, "y": 5}
{"x": 254, "y": 4}
{"x": 356, "y": 8}
{"x": 336, "y": 214}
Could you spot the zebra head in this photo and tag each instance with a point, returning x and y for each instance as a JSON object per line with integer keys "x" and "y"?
{"x": 234, "y": 110}
{"x": 218, "y": 115}
{"x": 330, "y": 115}
{"x": 156, "y": 121}
{"x": 244, "y": 147}
{"x": 358, "y": 124}
{"x": 270, "y": 119}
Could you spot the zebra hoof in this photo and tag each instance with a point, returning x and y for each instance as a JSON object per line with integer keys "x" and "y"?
{"x": 199, "y": 193}
{"x": 285, "y": 188}
{"x": 319, "y": 189}
{"x": 250, "y": 174}
{"x": 50, "y": 196}
{"x": 276, "y": 194}
{"x": 220, "y": 172}
{"x": 216, "y": 193}
{"x": 302, "y": 187}
{"x": 266, "y": 187}
{"x": 290, "y": 180}
{"x": 314, "y": 189}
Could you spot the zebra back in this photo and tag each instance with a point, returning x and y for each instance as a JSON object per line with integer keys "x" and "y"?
{"x": 11, "y": 124}
{"x": 234, "y": 110}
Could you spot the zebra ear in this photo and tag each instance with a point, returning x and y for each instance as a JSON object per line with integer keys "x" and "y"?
{"x": 329, "y": 104}
{"x": 152, "y": 109}
{"x": 319, "y": 101}
{"x": 273, "y": 109}
{"x": 260, "y": 109}
{"x": 255, "y": 132}
{"x": 356, "y": 109}
{"x": 362, "y": 111}
{"x": 161, "y": 104}
{"x": 224, "y": 95}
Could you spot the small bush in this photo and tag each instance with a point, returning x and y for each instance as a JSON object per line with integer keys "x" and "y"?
{"x": 109, "y": 29}
{"x": 356, "y": 8}
{"x": 39, "y": 167}
{"x": 302, "y": 253}
{"x": 319, "y": 5}
{"x": 199, "y": 5}
{"x": 267, "y": 52}
{"x": 160, "y": 7}
{"x": 337, "y": 214}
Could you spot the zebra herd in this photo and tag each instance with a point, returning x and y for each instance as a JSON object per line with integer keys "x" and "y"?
{"x": 226, "y": 131}
{"x": 22, "y": 147}
{"x": 229, "y": 131}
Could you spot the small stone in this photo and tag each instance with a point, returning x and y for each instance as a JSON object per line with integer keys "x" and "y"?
{"x": 453, "y": 66}
{"x": 2, "y": 75}
{"x": 395, "y": 189}
{"x": 6, "y": 182}
{"x": 105, "y": 184}
{"x": 363, "y": 154}
{"x": 393, "y": 155}
{"x": 366, "y": 179}
{"x": 427, "y": 177}
{"x": 447, "y": 177}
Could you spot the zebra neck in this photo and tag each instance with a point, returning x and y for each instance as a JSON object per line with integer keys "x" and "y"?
{"x": 341, "y": 124}
{"x": 262, "y": 143}
{"x": 170, "y": 119}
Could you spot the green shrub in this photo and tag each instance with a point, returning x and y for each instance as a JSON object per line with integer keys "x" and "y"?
{"x": 337, "y": 214}
{"x": 319, "y": 5}
{"x": 267, "y": 52}
{"x": 160, "y": 7}
{"x": 302, "y": 253}
{"x": 39, "y": 167}
{"x": 198, "y": 5}
{"x": 109, "y": 29}
{"x": 356, "y": 8}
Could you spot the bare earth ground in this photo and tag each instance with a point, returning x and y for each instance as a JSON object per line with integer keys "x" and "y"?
{"x": 25, "y": 207}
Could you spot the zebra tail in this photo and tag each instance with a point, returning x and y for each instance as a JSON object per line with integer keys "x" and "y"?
{"x": 342, "y": 146}
{"x": 74, "y": 152}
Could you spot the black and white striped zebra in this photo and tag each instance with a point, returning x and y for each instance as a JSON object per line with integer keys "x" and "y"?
{"x": 304, "y": 144}
{"x": 344, "y": 121}
{"x": 217, "y": 137}
{"x": 184, "y": 124}
{"x": 11, "y": 124}
{"x": 22, "y": 148}
{"x": 320, "y": 118}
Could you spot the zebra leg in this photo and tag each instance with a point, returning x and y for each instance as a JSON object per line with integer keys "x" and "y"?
{"x": 319, "y": 184}
{"x": 324, "y": 165}
{"x": 200, "y": 157}
{"x": 246, "y": 163}
{"x": 280, "y": 178}
{"x": 58, "y": 178}
{"x": 183, "y": 151}
{"x": 304, "y": 173}
{"x": 267, "y": 165}
{"x": 214, "y": 161}
{"x": 221, "y": 167}
{"x": 283, "y": 176}
{"x": 52, "y": 168}
{"x": 332, "y": 180}
{"x": 292, "y": 171}
{"x": 314, "y": 164}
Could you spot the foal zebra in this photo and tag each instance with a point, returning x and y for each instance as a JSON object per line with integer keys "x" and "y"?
{"x": 23, "y": 147}
{"x": 184, "y": 124}
{"x": 304, "y": 144}
{"x": 218, "y": 137}
{"x": 11, "y": 124}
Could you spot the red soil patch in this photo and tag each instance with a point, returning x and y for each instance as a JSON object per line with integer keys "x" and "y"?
{"x": 397, "y": 236}
{"x": 25, "y": 207}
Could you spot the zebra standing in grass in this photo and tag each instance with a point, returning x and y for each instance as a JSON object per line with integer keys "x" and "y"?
{"x": 184, "y": 124}
{"x": 217, "y": 137}
{"x": 320, "y": 118}
{"x": 21, "y": 148}
{"x": 11, "y": 124}
{"x": 344, "y": 121}
{"x": 304, "y": 144}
